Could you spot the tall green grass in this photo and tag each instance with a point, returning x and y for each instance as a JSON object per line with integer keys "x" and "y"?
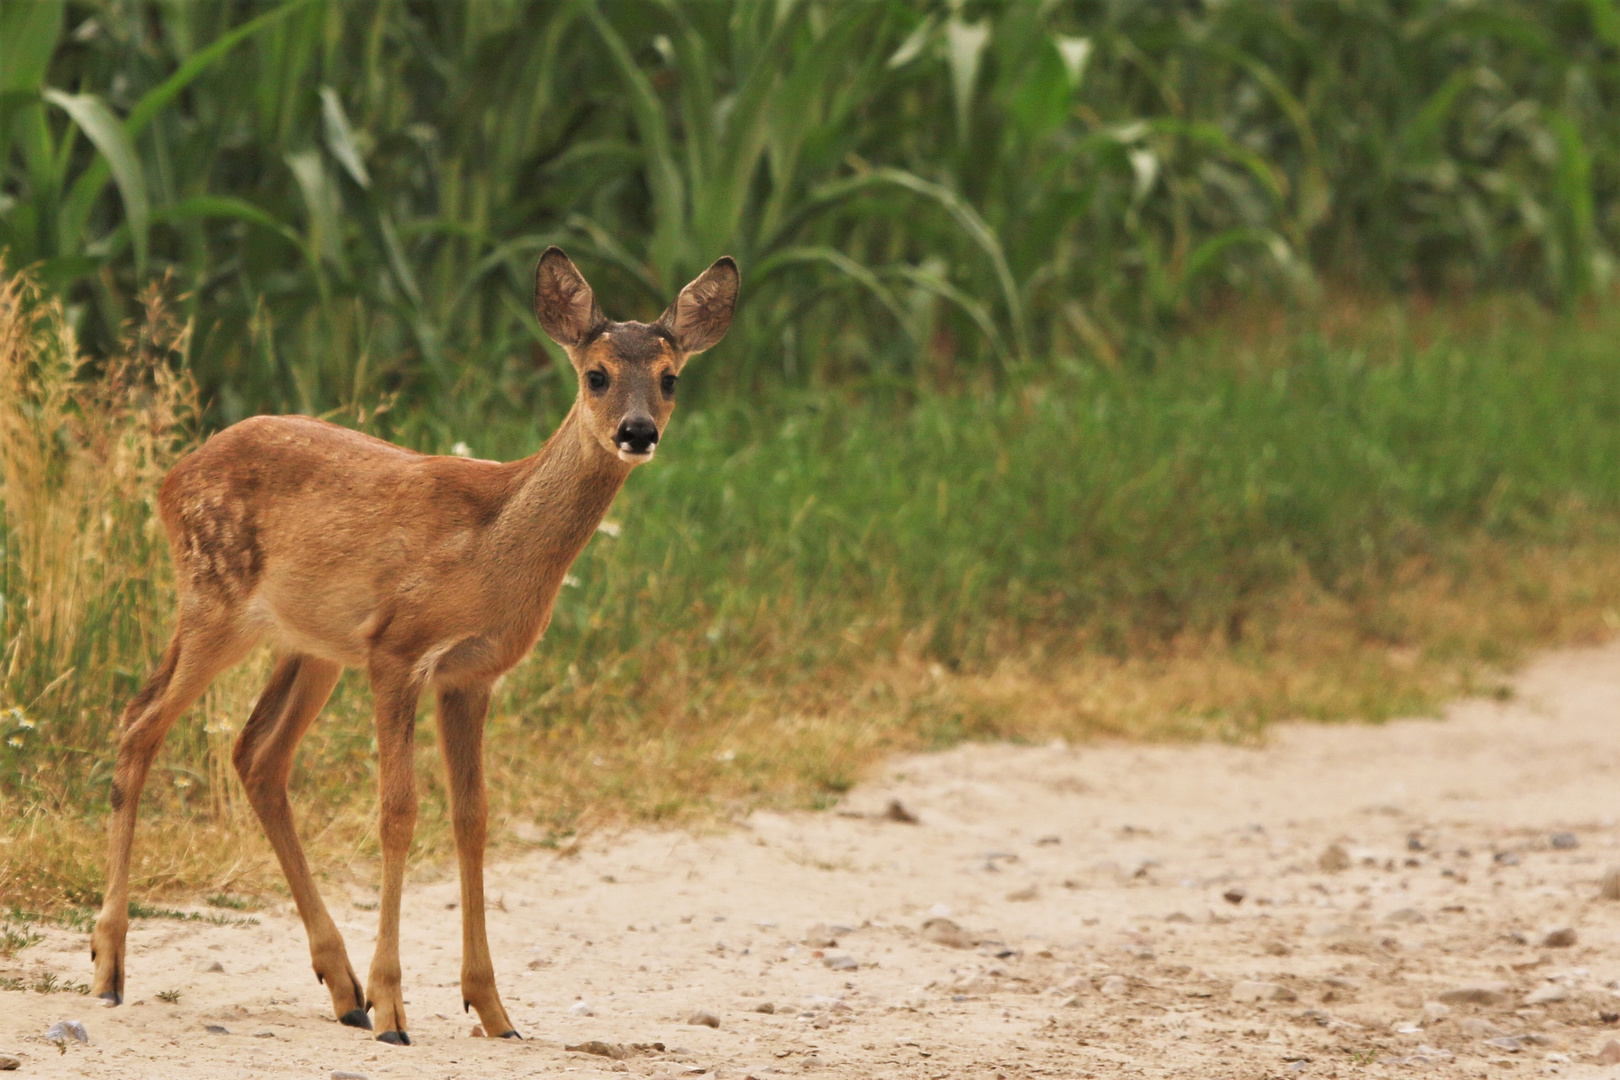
{"x": 351, "y": 195}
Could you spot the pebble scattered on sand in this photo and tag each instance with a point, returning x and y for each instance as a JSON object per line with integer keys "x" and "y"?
{"x": 943, "y": 931}
{"x": 1609, "y": 1054}
{"x": 1481, "y": 994}
{"x": 1564, "y": 841}
{"x": 1254, "y": 990}
{"x": 345, "y": 1074}
{"x": 1334, "y": 859}
{"x": 1560, "y": 938}
{"x": 765, "y": 1007}
{"x": 9, "y": 1062}
{"x": 820, "y": 936}
{"x": 211, "y": 967}
{"x": 704, "y": 1018}
{"x": 581, "y": 1008}
{"x": 1546, "y": 995}
{"x": 1115, "y": 986}
{"x": 1610, "y": 888}
{"x": 216, "y": 1029}
{"x": 1234, "y": 895}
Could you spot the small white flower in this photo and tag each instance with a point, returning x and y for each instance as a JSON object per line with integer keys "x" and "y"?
{"x": 570, "y": 581}
{"x": 461, "y": 449}
{"x": 609, "y": 528}
{"x": 14, "y": 742}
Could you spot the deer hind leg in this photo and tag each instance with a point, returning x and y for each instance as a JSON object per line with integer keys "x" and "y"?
{"x": 396, "y": 691}
{"x": 461, "y": 738}
{"x": 297, "y": 690}
{"x": 194, "y": 656}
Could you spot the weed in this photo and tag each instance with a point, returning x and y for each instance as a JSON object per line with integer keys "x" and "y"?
{"x": 15, "y": 938}
{"x": 170, "y": 996}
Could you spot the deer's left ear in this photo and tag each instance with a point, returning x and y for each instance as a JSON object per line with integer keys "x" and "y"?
{"x": 701, "y": 315}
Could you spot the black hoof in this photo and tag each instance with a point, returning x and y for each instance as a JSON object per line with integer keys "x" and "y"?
{"x": 356, "y": 1018}
{"x": 394, "y": 1038}
{"x": 511, "y": 1035}
{"x": 112, "y": 997}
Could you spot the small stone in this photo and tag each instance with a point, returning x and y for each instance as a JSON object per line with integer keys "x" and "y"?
{"x": 1505, "y": 858}
{"x": 1564, "y": 841}
{"x": 1475, "y": 995}
{"x": 345, "y": 1074}
{"x": 765, "y": 1007}
{"x": 216, "y": 1029}
{"x": 264, "y": 1034}
{"x": 1561, "y": 938}
{"x": 1609, "y": 1054}
{"x": 1115, "y": 986}
{"x": 1234, "y": 895}
{"x": 1178, "y": 917}
{"x": 1547, "y": 994}
{"x": 1070, "y": 1002}
{"x": 1505, "y": 1042}
{"x": 1254, "y": 990}
{"x": 1434, "y": 1010}
{"x": 1048, "y": 841}
{"x": 1475, "y": 1027}
{"x": 581, "y": 1008}
{"x": 1406, "y": 915}
{"x": 478, "y": 1032}
{"x": 820, "y": 936}
{"x": 896, "y": 811}
{"x": 9, "y": 1062}
{"x": 1610, "y": 888}
{"x": 840, "y": 961}
{"x": 704, "y": 1018}
{"x": 617, "y": 1051}
{"x": 211, "y": 967}
{"x": 1028, "y": 892}
{"x": 1333, "y": 859}
{"x": 65, "y": 1030}
{"x": 942, "y": 931}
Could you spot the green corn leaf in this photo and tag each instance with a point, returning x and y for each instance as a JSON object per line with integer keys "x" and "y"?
{"x": 340, "y": 137}
{"x": 103, "y": 130}
{"x": 965, "y": 44}
{"x": 840, "y": 262}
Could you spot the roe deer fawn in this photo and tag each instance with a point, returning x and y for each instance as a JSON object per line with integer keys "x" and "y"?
{"x": 341, "y": 549}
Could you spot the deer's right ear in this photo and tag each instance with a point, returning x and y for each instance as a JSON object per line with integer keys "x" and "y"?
{"x": 563, "y": 303}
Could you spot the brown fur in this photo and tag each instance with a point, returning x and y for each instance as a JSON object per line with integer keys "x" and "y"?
{"x": 342, "y": 550}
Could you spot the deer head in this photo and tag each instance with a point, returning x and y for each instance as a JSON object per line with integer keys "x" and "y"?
{"x": 628, "y": 370}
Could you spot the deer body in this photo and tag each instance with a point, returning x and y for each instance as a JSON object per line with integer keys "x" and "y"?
{"x": 341, "y": 550}
{"x": 463, "y": 558}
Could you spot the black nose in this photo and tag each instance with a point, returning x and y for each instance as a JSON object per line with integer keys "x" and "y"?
{"x": 637, "y": 435}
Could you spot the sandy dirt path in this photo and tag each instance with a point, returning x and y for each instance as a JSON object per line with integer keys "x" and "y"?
{"x": 1092, "y": 894}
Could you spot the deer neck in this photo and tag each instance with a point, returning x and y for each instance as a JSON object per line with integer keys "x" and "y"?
{"x": 563, "y": 492}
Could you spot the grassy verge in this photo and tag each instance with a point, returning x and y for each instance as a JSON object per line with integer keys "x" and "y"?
{"x": 1355, "y": 513}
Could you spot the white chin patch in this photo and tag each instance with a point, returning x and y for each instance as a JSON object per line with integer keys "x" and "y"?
{"x": 627, "y": 454}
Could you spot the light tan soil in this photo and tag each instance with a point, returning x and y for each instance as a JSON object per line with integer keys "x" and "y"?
{"x": 1067, "y": 865}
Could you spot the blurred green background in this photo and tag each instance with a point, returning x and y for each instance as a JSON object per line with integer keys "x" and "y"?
{"x": 351, "y": 196}
{"x": 1153, "y": 368}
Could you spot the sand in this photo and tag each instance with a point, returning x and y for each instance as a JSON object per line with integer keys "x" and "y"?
{"x": 1118, "y": 911}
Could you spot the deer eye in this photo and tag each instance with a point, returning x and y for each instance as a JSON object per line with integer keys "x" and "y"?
{"x": 596, "y": 380}
{"x": 669, "y": 385}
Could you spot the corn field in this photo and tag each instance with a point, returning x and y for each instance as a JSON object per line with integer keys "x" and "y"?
{"x": 350, "y": 196}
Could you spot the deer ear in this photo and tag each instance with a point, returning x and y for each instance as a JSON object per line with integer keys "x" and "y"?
{"x": 563, "y": 303}
{"x": 700, "y": 316}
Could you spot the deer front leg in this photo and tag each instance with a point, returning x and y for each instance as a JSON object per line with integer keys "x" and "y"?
{"x": 461, "y": 738}
{"x": 396, "y": 692}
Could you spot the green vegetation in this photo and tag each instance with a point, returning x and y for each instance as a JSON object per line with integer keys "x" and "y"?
{"x": 350, "y": 196}
{"x": 1065, "y": 397}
